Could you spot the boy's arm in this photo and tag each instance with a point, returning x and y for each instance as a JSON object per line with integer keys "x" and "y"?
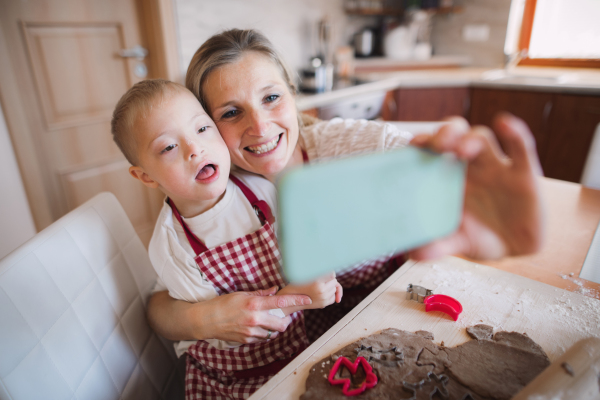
{"x": 323, "y": 292}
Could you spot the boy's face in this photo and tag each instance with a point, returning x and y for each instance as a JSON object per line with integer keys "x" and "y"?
{"x": 181, "y": 152}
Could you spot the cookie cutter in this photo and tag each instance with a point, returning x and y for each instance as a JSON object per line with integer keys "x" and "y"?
{"x": 370, "y": 380}
{"x": 434, "y": 302}
{"x": 392, "y": 357}
{"x": 438, "y": 381}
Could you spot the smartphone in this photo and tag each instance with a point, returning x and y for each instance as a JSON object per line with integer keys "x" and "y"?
{"x": 335, "y": 214}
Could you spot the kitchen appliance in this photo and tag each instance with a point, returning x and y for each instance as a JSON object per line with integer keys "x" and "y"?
{"x": 333, "y": 215}
{"x": 412, "y": 40}
{"x": 367, "y": 106}
{"x": 317, "y": 78}
{"x": 363, "y": 43}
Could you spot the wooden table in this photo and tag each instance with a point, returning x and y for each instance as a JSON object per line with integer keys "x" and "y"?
{"x": 572, "y": 217}
{"x": 523, "y": 294}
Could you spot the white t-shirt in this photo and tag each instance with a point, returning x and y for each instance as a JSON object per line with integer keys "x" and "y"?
{"x": 173, "y": 258}
{"x": 233, "y": 216}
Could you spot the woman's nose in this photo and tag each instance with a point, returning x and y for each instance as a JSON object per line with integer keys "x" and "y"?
{"x": 258, "y": 124}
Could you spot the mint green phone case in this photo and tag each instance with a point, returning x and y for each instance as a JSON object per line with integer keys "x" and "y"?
{"x": 333, "y": 215}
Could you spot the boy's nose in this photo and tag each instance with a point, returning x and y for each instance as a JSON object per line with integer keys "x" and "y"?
{"x": 193, "y": 149}
{"x": 258, "y": 124}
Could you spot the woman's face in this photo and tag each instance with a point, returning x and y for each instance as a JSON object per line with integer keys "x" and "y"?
{"x": 255, "y": 113}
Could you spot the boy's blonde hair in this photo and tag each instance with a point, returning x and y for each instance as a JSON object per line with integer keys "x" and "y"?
{"x": 226, "y": 48}
{"x": 136, "y": 103}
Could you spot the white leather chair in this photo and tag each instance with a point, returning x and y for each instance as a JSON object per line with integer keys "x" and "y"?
{"x": 591, "y": 171}
{"x": 72, "y": 313}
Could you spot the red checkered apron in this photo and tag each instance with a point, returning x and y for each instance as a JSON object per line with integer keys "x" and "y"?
{"x": 246, "y": 264}
{"x": 358, "y": 282}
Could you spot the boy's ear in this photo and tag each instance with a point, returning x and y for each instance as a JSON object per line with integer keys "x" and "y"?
{"x": 138, "y": 173}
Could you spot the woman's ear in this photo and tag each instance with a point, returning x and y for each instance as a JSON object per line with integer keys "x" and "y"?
{"x": 139, "y": 174}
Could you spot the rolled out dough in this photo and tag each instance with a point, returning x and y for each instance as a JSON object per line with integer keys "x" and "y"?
{"x": 410, "y": 366}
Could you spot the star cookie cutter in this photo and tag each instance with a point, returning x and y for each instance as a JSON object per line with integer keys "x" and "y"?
{"x": 438, "y": 381}
{"x": 434, "y": 302}
{"x": 370, "y": 380}
{"x": 392, "y": 357}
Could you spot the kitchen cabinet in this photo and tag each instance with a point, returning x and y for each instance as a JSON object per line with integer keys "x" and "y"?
{"x": 572, "y": 123}
{"x": 562, "y": 124}
{"x": 425, "y": 104}
{"x": 313, "y": 112}
{"x": 533, "y": 107}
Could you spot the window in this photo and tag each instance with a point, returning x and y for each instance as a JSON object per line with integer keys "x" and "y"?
{"x": 555, "y": 32}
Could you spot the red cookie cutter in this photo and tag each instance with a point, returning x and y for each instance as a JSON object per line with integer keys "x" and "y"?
{"x": 435, "y": 302}
{"x": 443, "y": 303}
{"x": 370, "y": 380}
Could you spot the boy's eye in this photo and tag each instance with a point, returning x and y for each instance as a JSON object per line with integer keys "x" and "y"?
{"x": 168, "y": 148}
{"x": 271, "y": 98}
{"x": 203, "y": 129}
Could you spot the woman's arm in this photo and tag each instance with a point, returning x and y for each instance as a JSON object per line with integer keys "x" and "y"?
{"x": 240, "y": 317}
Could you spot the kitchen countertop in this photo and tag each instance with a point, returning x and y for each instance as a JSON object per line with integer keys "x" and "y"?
{"x": 553, "y": 317}
{"x": 558, "y": 80}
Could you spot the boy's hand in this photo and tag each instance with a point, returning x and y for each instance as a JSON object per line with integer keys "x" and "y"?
{"x": 503, "y": 213}
{"x": 323, "y": 292}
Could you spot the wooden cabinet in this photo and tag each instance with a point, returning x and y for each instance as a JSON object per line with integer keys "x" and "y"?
{"x": 313, "y": 112}
{"x": 562, "y": 124}
{"x": 533, "y": 107}
{"x": 430, "y": 104}
{"x": 572, "y": 124}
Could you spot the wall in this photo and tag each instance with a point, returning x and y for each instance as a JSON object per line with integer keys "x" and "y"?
{"x": 289, "y": 24}
{"x": 447, "y": 38}
{"x": 16, "y": 222}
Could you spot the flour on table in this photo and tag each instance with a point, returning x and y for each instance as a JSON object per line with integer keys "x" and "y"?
{"x": 506, "y": 307}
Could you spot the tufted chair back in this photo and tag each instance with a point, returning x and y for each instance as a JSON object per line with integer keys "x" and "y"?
{"x": 72, "y": 313}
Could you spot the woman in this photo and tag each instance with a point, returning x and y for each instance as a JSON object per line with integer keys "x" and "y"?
{"x": 246, "y": 88}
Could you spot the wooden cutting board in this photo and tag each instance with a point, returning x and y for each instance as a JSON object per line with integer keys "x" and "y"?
{"x": 553, "y": 317}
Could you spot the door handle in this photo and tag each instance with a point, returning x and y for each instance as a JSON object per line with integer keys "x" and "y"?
{"x": 139, "y": 53}
{"x": 135, "y": 52}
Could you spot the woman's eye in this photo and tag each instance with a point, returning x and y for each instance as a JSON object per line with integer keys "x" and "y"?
{"x": 168, "y": 148}
{"x": 271, "y": 98}
{"x": 203, "y": 129}
{"x": 230, "y": 114}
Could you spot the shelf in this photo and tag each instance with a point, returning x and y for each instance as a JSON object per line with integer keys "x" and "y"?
{"x": 376, "y": 12}
{"x": 395, "y": 12}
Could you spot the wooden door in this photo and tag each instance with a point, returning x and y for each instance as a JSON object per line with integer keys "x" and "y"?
{"x": 62, "y": 75}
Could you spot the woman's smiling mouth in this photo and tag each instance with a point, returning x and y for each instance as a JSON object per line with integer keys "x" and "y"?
{"x": 265, "y": 148}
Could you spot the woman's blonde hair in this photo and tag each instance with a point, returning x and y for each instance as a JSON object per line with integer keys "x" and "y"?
{"x": 226, "y": 48}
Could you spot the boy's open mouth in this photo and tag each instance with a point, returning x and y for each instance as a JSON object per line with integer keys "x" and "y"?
{"x": 265, "y": 148}
{"x": 207, "y": 172}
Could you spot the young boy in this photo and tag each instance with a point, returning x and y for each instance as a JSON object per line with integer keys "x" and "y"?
{"x": 215, "y": 234}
